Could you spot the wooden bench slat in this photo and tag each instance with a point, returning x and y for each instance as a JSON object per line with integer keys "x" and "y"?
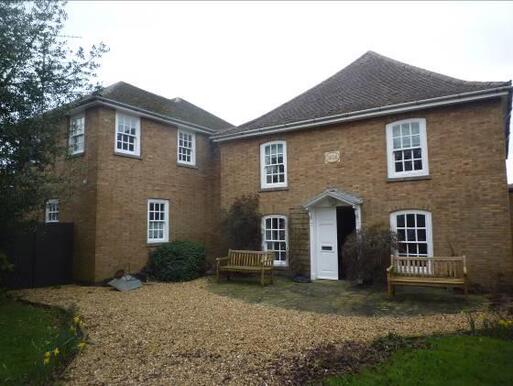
{"x": 246, "y": 261}
{"x": 427, "y": 271}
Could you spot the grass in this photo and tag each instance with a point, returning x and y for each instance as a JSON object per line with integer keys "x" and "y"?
{"x": 339, "y": 297}
{"x": 27, "y": 332}
{"x": 450, "y": 361}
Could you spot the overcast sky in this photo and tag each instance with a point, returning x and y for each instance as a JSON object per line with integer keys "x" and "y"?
{"x": 240, "y": 60}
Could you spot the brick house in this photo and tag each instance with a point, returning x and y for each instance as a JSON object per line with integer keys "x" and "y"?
{"x": 378, "y": 142}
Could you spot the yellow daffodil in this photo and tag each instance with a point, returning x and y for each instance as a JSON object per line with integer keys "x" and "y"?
{"x": 56, "y": 351}
{"x": 76, "y": 319}
{"x": 46, "y": 361}
{"x": 47, "y": 354}
{"x": 81, "y": 345}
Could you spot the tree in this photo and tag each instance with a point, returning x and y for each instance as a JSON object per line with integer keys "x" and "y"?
{"x": 39, "y": 77}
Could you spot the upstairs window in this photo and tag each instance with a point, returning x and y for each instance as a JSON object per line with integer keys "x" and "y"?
{"x": 52, "y": 211}
{"x": 407, "y": 151}
{"x": 186, "y": 148}
{"x": 128, "y": 134}
{"x": 77, "y": 134}
{"x": 414, "y": 233}
{"x": 158, "y": 221}
{"x": 273, "y": 164}
{"x": 274, "y": 237}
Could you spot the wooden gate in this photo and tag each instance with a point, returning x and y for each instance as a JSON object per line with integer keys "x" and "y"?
{"x": 42, "y": 256}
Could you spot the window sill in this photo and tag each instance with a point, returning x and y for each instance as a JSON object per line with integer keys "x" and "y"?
{"x": 76, "y": 155}
{"x": 127, "y": 155}
{"x": 263, "y": 190}
{"x": 180, "y": 164}
{"x": 413, "y": 178}
{"x": 156, "y": 244}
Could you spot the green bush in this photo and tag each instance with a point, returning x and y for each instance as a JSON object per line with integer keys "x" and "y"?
{"x": 242, "y": 223}
{"x": 367, "y": 254}
{"x": 178, "y": 261}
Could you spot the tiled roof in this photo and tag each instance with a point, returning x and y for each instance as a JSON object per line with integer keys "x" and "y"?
{"x": 371, "y": 81}
{"x": 176, "y": 108}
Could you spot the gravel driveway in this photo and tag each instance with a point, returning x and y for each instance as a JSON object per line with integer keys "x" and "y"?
{"x": 180, "y": 333}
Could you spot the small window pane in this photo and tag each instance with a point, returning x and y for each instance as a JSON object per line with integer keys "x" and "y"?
{"x": 400, "y": 220}
{"x": 421, "y": 220}
{"x": 410, "y": 220}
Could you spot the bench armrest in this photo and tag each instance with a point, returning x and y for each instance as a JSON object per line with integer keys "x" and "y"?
{"x": 222, "y": 260}
{"x": 267, "y": 260}
{"x": 464, "y": 271}
{"x": 390, "y": 269}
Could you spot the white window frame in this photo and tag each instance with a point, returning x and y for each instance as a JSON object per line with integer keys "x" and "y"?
{"x": 280, "y": 263}
{"x": 192, "y": 162}
{"x": 429, "y": 227}
{"x": 49, "y": 211}
{"x": 72, "y": 134}
{"x": 423, "y": 145}
{"x": 165, "y": 237}
{"x": 137, "y": 143}
{"x": 263, "y": 180}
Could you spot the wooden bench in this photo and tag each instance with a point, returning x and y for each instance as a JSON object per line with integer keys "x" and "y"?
{"x": 247, "y": 261}
{"x": 427, "y": 271}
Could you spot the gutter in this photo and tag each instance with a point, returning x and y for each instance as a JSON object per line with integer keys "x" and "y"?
{"x": 370, "y": 113}
{"x": 99, "y": 100}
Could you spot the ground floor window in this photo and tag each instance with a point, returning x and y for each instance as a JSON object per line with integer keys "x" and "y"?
{"x": 158, "y": 221}
{"x": 274, "y": 237}
{"x": 52, "y": 211}
{"x": 414, "y": 233}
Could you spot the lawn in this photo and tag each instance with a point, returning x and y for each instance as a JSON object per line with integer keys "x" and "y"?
{"x": 27, "y": 332}
{"x": 449, "y": 361}
{"x": 339, "y": 297}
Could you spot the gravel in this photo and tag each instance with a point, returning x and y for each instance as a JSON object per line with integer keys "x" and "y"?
{"x": 180, "y": 333}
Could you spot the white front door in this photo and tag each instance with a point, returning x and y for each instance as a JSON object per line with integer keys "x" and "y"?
{"x": 326, "y": 245}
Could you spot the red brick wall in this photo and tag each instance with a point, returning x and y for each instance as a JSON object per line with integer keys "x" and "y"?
{"x": 109, "y": 204}
{"x": 125, "y": 184}
{"x": 467, "y": 193}
{"x": 78, "y": 199}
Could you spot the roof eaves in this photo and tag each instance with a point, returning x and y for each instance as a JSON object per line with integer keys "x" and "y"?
{"x": 92, "y": 99}
{"x": 367, "y": 113}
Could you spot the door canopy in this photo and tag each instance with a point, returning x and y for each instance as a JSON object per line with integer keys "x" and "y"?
{"x": 335, "y": 197}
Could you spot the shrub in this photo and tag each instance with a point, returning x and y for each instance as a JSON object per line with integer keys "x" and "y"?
{"x": 178, "y": 261}
{"x": 367, "y": 254}
{"x": 241, "y": 223}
